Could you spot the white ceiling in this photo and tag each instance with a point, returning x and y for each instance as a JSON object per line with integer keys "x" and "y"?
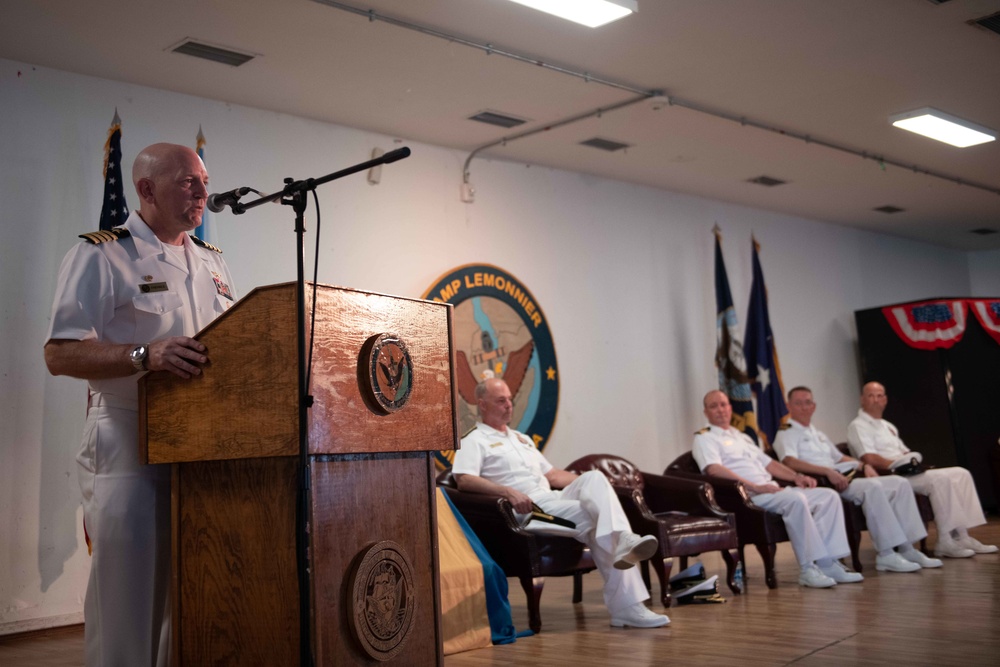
{"x": 832, "y": 70}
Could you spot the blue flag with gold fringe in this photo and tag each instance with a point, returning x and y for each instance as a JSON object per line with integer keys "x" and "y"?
{"x": 763, "y": 368}
{"x": 729, "y": 359}
{"x": 114, "y": 209}
{"x": 206, "y": 230}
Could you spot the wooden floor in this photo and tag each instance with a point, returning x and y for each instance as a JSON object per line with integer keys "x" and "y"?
{"x": 949, "y": 616}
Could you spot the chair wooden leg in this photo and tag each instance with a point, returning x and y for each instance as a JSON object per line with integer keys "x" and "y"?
{"x": 533, "y": 590}
{"x": 663, "y": 567}
{"x": 684, "y": 563}
{"x": 767, "y": 552}
{"x": 577, "y": 587}
{"x": 854, "y": 541}
{"x": 727, "y": 555}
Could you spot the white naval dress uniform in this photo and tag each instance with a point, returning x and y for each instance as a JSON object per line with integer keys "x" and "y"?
{"x": 888, "y": 503}
{"x": 130, "y": 290}
{"x": 951, "y": 490}
{"x": 511, "y": 459}
{"x": 814, "y": 518}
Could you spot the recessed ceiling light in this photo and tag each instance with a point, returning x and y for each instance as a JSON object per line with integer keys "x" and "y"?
{"x": 983, "y": 231}
{"x": 591, "y": 13}
{"x": 888, "y": 208}
{"x": 943, "y": 127}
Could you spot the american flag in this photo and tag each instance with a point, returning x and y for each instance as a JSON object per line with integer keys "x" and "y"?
{"x": 114, "y": 208}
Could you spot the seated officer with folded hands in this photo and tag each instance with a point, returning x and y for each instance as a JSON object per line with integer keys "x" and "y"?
{"x": 890, "y": 509}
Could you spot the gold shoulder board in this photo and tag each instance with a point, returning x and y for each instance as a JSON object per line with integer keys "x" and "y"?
{"x": 702, "y": 431}
{"x": 105, "y": 235}
{"x": 464, "y": 435}
{"x": 785, "y": 426}
{"x": 199, "y": 242}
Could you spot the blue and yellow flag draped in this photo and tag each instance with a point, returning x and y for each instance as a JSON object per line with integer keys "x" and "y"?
{"x": 114, "y": 209}
{"x": 206, "y": 230}
{"x": 763, "y": 368}
{"x": 728, "y": 351}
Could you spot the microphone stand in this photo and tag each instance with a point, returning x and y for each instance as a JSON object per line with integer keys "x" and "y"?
{"x": 294, "y": 195}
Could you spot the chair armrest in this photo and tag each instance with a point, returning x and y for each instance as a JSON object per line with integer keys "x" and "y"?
{"x": 730, "y": 494}
{"x": 484, "y": 509}
{"x": 664, "y": 493}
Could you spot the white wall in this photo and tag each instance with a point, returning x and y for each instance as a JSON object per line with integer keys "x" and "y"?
{"x": 623, "y": 273}
{"x": 984, "y": 273}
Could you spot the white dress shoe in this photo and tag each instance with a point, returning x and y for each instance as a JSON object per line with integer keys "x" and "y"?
{"x": 813, "y": 578}
{"x": 921, "y": 559}
{"x": 951, "y": 549}
{"x": 638, "y": 616}
{"x": 969, "y": 542}
{"x": 841, "y": 574}
{"x": 633, "y": 549}
{"x": 894, "y": 562}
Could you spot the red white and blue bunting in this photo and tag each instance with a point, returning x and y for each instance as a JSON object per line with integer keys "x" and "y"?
{"x": 988, "y": 313}
{"x": 928, "y": 325}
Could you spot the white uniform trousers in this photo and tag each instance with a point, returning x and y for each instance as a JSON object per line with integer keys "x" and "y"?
{"x": 890, "y": 510}
{"x": 591, "y": 503}
{"x": 814, "y": 519}
{"x": 953, "y": 498}
{"x": 126, "y": 508}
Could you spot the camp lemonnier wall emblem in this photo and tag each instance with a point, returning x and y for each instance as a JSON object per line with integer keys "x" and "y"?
{"x": 383, "y": 600}
{"x": 385, "y": 373}
{"x": 500, "y": 331}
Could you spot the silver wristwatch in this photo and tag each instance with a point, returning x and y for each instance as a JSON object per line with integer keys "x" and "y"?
{"x": 138, "y": 357}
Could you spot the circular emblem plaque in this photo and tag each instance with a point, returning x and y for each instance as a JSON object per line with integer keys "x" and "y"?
{"x": 499, "y": 330}
{"x": 385, "y": 373}
{"x": 383, "y": 600}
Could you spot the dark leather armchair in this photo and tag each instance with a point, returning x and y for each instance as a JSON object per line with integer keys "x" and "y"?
{"x": 528, "y": 556}
{"x": 680, "y": 513}
{"x": 754, "y": 526}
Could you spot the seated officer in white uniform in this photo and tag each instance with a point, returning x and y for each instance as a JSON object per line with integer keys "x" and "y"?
{"x": 888, "y": 503}
{"x": 952, "y": 493}
{"x": 814, "y": 518}
{"x": 498, "y": 460}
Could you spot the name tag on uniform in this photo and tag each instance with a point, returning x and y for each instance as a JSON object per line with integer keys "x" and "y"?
{"x": 153, "y": 287}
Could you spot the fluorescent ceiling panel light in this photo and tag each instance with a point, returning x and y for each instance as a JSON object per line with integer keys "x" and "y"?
{"x": 591, "y": 13}
{"x": 943, "y": 127}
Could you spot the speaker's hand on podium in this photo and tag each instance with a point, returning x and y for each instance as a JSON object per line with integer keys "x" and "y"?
{"x": 180, "y": 355}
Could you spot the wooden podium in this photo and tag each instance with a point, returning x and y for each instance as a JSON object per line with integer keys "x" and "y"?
{"x": 383, "y": 386}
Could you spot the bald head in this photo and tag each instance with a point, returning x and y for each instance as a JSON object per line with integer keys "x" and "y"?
{"x": 874, "y": 399}
{"x": 494, "y": 401}
{"x": 154, "y": 159}
{"x": 172, "y": 185}
{"x": 717, "y": 408}
{"x": 711, "y": 394}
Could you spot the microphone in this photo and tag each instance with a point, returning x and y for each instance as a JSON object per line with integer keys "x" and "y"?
{"x": 398, "y": 154}
{"x": 218, "y": 202}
